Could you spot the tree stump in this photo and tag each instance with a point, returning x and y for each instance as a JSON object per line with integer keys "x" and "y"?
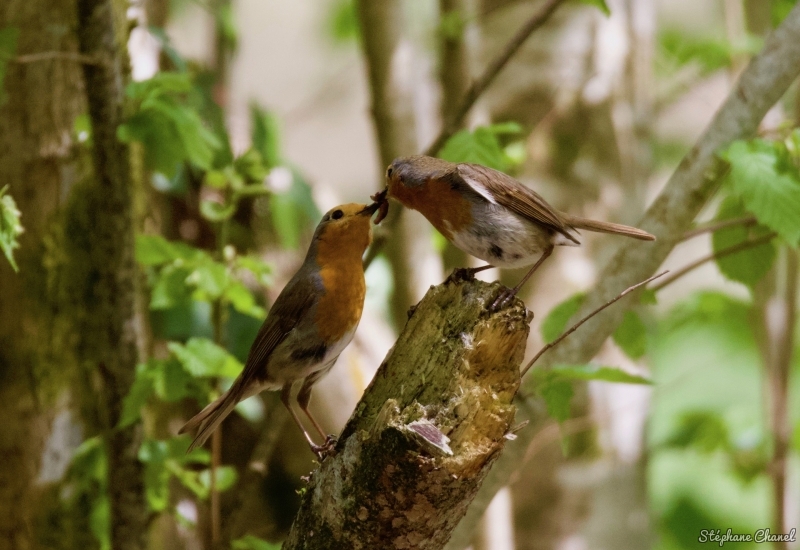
{"x": 427, "y": 430}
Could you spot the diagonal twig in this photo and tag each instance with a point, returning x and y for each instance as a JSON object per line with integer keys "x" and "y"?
{"x": 713, "y": 256}
{"x": 718, "y": 225}
{"x": 574, "y": 327}
{"x": 492, "y": 70}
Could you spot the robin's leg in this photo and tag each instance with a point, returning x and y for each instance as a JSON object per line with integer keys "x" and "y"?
{"x": 286, "y": 394}
{"x": 303, "y": 398}
{"x": 465, "y": 273}
{"x": 507, "y": 294}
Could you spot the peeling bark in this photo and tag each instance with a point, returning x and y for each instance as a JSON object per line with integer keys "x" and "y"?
{"x": 427, "y": 431}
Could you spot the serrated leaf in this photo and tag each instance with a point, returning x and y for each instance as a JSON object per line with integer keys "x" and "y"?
{"x": 603, "y": 374}
{"x": 170, "y": 130}
{"x": 10, "y": 226}
{"x": 141, "y": 390}
{"x": 631, "y": 335}
{"x": 201, "y": 357}
{"x": 770, "y": 193}
{"x": 748, "y": 266}
{"x": 249, "y": 542}
{"x": 599, "y": 4}
{"x": 556, "y": 321}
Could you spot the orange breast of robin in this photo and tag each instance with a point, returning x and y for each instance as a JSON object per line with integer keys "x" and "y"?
{"x": 339, "y": 308}
{"x": 443, "y": 206}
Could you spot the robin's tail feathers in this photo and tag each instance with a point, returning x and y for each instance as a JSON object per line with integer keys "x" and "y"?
{"x": 210, "y": 418}
{"x": 607, "y": 227}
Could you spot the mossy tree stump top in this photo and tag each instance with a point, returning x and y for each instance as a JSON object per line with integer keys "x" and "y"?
{"x": 426, "y": 431}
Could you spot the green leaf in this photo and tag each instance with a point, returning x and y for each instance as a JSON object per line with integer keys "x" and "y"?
{"x": 172, "y": 382}
{"x": 250, "y": 166}
{"x": 156, "y": 250}
{"x": 452, "y": 24}
{"x": 679, "y": 48}
{"x": 167, "y": 47}
{"x": 293, "y": 212}
{"x": 769, "y": 188}
{"x": 216, "y": 212}
{"x": 170, "y": 288}
{"x": 243, "y": 300}
{"x": 480, "y": 146}
{"x": 201, "y": 357}
{"x": 557, "y": 394}
{"x": 210, "y": 278}
{"x": 599, "y": 4}
{"x": 141, "y": 390}
{"x": 796, "y": 437}
{"x": 265, "y": 135}
{"x": 226, "y": 477}
{"x": 249, "y": 542}
{"x": 8, "y": 47}
{"x": 343, "y": 21}
{"x": 10, "y": 226}
{"x": 747, "y": 266}
{"x": 631, "y": 335}
{"x": 780, "y": 9}
{"x": 702, "y": 430}
{"x": 168, "y": 127}
{"x": 258, "y": 267}
{"x": 603, "y": 374}
{"x": 556, "y": 321}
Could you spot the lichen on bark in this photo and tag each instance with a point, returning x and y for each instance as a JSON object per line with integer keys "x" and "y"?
{"x": 451, "y": 377}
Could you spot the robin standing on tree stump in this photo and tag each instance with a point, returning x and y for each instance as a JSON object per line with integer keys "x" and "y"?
{"x": 489, "y": 214}
{"x": 308, "y": 326}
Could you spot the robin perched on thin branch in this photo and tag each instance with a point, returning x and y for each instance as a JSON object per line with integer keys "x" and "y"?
{"x": 308, "y": 326}
{"x": 489, "y": 214}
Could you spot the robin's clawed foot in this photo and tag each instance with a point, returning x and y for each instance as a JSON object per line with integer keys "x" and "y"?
{"x": 505, "y": 296}
{"x": 326, "y": 449}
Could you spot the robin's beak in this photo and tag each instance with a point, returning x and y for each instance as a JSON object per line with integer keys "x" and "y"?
{"x": 379, "y": 198}
{"x": 370, "y": 210}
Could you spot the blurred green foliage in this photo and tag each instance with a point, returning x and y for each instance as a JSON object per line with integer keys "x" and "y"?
{"x": 482, "y": 146}
{"x": 10, "y": 226}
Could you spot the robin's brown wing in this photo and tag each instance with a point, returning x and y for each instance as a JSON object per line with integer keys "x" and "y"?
{"x": 515, "y": 196}
{"x": 289, "y": 309}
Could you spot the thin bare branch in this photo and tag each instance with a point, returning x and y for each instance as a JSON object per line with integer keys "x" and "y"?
{"x": 713, "y": 256}
{"x": 574, "y": 327}
{"x": 66, "y": 56}
{"x": 716, "y": 226}
{"x": 492, "y": 70}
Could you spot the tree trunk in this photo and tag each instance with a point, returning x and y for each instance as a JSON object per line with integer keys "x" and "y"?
{"x": 40, "y": 165}
{"x": 113, "y": 326}
{"x": 428, "y": 429}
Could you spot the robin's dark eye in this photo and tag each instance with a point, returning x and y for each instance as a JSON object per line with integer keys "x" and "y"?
{"x": 337, "y": 214}
{"x": 389, "y": 172}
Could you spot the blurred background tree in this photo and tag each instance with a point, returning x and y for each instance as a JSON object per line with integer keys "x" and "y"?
{"x": 204, "y": 138}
